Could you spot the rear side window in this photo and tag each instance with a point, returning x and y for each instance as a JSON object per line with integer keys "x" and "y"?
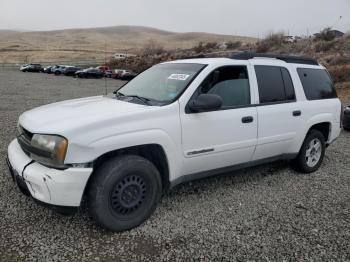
{"x": 288, "y": 84}
{"x": 275, "y": 84}
{"x": 317, "y": 84}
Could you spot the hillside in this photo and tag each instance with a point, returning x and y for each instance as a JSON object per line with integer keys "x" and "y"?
{"x": 85, "y": 44}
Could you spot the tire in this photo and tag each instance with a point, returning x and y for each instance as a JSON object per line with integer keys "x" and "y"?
{"x": 57, "y": 73}
{"x": 308, "y": 164}
{"x": 124, "y": 192}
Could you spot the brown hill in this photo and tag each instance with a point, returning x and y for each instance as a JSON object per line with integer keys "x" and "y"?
{"x": 85, "y": 44}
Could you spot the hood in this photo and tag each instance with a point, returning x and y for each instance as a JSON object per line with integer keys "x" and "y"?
{"x": 63, "y": 117}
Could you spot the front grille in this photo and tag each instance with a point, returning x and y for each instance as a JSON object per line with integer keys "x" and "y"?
{"x": 24, "y": 143}
{"x": 27, "y": 134}
{"x": 24, "y": 140}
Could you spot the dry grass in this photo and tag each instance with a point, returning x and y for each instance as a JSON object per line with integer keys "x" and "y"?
{"x": 87, "y": 44}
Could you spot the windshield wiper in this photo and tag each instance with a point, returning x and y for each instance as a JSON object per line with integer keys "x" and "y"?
{"x": 118, "y": 93}
{"x": 140, "y": 98}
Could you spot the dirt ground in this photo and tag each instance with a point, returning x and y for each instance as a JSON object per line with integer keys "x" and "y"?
{"x": 266, "y": 213}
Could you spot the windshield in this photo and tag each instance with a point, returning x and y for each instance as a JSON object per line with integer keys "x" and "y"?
{"x": 162, "y": 83}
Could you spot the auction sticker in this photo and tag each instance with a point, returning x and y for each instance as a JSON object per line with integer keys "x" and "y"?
{"x": 181, "y": 77}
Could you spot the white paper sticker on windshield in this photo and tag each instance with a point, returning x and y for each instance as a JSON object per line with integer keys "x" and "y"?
{"x": 181, "y": 77}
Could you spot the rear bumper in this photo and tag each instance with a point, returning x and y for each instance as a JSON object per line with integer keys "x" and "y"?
{"x": 335, "y": 132}
{"x": 346, "y": 121}
{"x": 47, "y": 185}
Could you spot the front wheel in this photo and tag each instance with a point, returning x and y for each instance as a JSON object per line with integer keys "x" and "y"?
{"x": 124, "y": 192}
{"x": 311, "y": 153}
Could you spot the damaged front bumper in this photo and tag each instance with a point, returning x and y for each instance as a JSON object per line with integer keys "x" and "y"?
{"x": 48, "y": 185}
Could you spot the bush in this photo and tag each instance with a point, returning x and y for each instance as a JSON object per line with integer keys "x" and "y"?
{"x": 340, "y": 59}
{"x": 323, "y": 46}
{"x": 234, "y": 45}
{"x": 152, "y": 48}
{"x": 325, "y": 35}
{"x": 211, "y": 45}
{"x": 340, "y": 73}
{"x": 205, "y": 48}
{"x": 273, "y": 41}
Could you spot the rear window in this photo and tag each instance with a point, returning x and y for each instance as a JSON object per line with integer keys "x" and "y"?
{"x": 317, "y": 84}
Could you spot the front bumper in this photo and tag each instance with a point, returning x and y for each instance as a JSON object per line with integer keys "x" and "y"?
{"x": 48, "y": 185}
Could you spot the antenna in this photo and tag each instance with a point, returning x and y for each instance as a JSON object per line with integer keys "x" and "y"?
{"x": 105, "y": 63}
{"x": 337, "y": 20}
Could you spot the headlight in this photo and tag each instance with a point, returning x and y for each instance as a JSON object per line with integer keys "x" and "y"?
{"x": 49, "y": 149}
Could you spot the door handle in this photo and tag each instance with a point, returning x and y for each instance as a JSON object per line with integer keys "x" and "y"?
{"x": 247, "y": 119}
{"x": 297, "y": 113}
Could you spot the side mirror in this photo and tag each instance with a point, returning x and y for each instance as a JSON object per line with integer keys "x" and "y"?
{"x": 205, "y": 102}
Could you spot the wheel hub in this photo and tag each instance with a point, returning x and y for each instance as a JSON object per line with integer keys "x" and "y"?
{"x": 128, "y": 194}
{"x": 313, "y": 152}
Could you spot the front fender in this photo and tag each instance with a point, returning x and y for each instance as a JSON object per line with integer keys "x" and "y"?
{"x": 85, "y": 154}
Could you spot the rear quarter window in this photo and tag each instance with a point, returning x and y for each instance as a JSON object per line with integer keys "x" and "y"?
{"x": 317, "y": 84}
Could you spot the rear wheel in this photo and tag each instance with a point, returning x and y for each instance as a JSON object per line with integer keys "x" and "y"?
{"x": 124, "y": 192}
{"x": 311, "y": 153}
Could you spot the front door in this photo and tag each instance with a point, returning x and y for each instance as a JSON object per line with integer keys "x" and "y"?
{"x": 227, "y": 136}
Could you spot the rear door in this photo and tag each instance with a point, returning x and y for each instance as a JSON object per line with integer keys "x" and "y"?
{"x": 279, "y": 113}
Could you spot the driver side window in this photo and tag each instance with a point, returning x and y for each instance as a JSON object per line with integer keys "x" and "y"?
{"x": 230, "y": 83}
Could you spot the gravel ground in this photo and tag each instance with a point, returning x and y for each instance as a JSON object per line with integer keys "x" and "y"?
{"x": 266, "y": 213}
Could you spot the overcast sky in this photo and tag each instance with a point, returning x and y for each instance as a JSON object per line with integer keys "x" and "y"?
{"x": 238, "y": 17}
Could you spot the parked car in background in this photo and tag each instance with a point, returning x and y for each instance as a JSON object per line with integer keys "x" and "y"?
{"x": 346, "y": 119}
{"x": 90, "y": 73}
{"x": 123, "y": 74}
{"x": 71, "y": 70}
{"x": 47, "y": 69}
{"x": 108, "y": 73}
{"x": 103, "y": 68}
{"x": 58, "y": 69}
{"x": 127, "y": 75}
{"x": 31, "y": 68}
{"x": 116, "y": 73}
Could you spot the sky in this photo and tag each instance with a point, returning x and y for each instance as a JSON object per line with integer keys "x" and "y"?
{"x": 255, "y": 18}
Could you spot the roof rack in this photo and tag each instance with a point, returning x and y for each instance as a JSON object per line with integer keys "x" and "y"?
{"x": 286, "y": 58}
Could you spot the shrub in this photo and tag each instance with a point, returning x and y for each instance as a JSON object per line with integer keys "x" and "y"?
{"x": 211, "y": 45}
{"x": 340, "y": 59}
{"x": 324, "y": 46}
{"x": 340, "y": 73}
{"x": 325, "y": 35}
{"x": 271, "y": 42}
{"x": 152, "y": 48}
{"x": 234, "y": 45}
{"x": 199, "y": 48}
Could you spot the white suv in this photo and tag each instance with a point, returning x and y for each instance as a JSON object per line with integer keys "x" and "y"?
{"x": 175, "y": 122}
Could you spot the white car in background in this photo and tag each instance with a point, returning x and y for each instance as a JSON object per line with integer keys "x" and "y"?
{"x": 59, "y": 69}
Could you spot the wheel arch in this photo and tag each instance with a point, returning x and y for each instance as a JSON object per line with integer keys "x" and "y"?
{"x": 324, "y": 128}
{"x": 155, "y": 153}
